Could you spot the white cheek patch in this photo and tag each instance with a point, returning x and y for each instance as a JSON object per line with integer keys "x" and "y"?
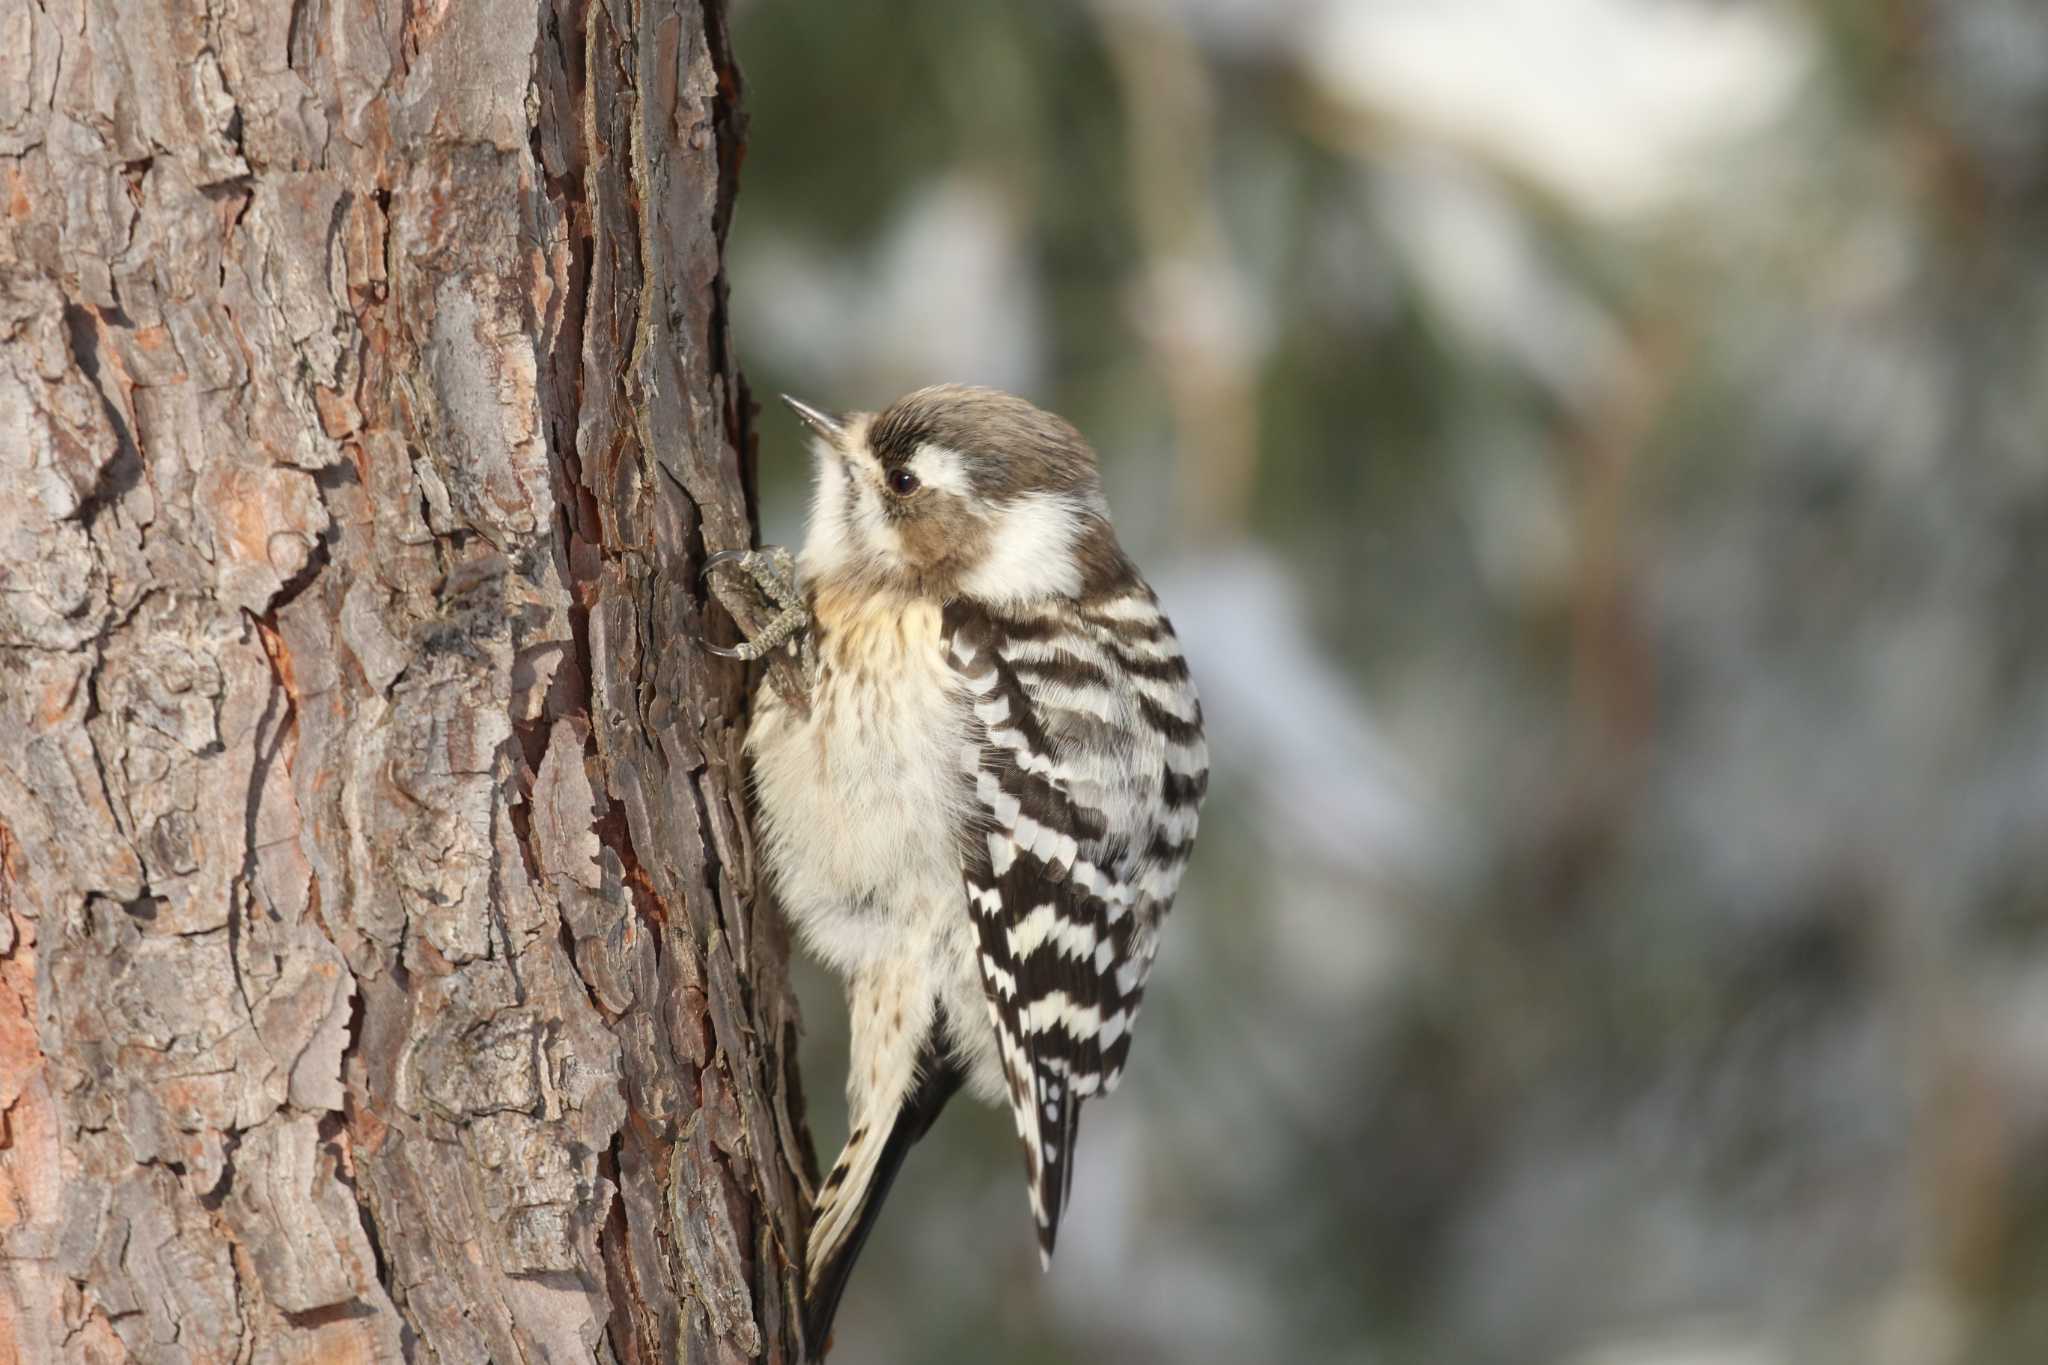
{"x": 1031, "y": 551}
{"x": 941, "y": 467}
{"x": 877, "y": 537}
{"x": 848, "y": 528}
{"x": 827, "y": 543}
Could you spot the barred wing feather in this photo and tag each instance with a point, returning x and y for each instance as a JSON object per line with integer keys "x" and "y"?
{"x": 1089, "y": 769}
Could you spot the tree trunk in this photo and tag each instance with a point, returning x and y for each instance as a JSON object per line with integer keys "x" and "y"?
{"x": 380, "y": 971}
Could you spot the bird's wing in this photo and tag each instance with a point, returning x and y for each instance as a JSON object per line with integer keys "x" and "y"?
{"x": 1089, "y": 768}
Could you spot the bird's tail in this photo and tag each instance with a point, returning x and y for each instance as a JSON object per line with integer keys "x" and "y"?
{"x": 852, "y": 1194}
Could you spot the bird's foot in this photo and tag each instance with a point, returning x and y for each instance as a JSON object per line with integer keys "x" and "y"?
{"x": 772, "y": 571}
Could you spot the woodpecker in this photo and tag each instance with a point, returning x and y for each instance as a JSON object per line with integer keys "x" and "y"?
{"x": 982, "y": 815}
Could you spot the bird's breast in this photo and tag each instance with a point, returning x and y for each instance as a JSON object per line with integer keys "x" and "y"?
{"x": 862, "y": 802}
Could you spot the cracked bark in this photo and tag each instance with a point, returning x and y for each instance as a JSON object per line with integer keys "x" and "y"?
{"x": 380, "y": 971}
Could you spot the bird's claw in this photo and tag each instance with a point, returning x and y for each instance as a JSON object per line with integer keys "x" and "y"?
{"x": 773, "y": 571}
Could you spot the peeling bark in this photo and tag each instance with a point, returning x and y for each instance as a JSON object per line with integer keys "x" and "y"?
{"x": 381, "y": 975}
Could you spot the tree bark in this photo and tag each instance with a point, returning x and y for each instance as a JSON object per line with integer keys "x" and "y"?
{"x": 381, "y": 975}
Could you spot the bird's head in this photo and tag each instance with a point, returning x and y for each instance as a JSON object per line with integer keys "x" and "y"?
{"x": 955, "y": 491}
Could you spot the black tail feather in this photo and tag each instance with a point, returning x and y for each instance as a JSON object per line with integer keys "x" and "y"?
{"x": 938, "y": 1077}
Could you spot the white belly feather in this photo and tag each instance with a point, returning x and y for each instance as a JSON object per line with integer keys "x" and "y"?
{"x": 863, "y": 806}
{"x": 863, "y": 798}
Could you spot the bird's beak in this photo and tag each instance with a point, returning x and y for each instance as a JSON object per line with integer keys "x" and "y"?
{"x": 824, "y": 423}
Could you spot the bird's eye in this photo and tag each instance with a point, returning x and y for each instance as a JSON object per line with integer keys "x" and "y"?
{"x": 902, "y": 482}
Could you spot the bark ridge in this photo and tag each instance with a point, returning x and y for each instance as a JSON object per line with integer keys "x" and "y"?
{"x": 380, "y": 971}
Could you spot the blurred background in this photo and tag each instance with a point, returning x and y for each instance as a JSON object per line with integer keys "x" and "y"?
{"x": 1596, "y": 452}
